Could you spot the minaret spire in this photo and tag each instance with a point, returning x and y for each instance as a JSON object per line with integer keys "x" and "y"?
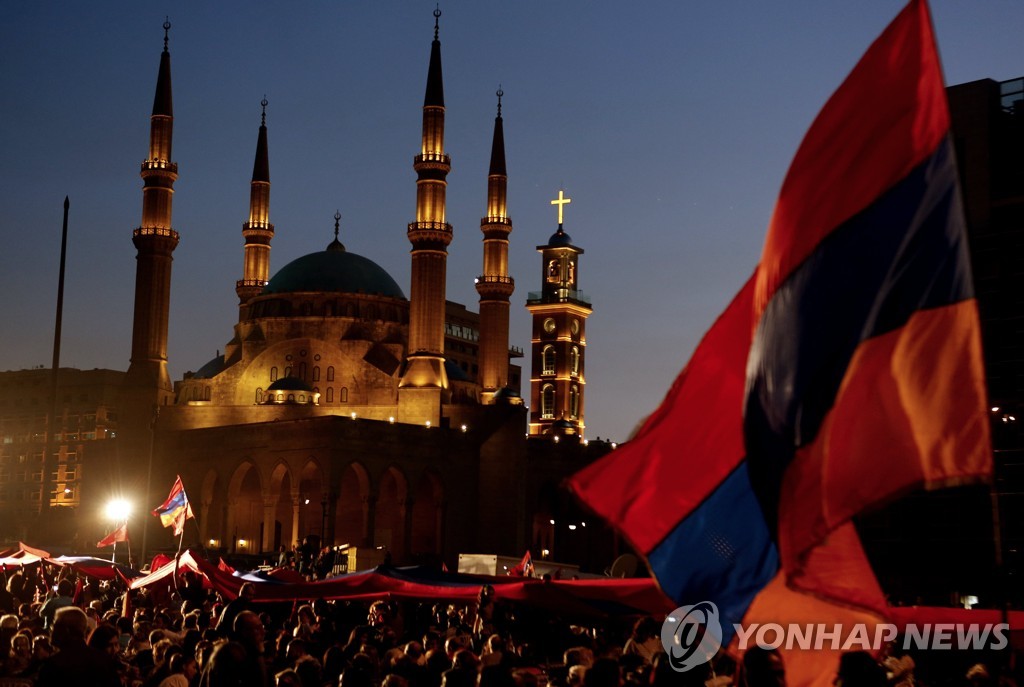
{"x": 495, "y": 286}
{"x": 336, "y": 244}
{"x": 258, "y": 231}
{"x": 155, "y": 242}
{"x": 430, "y": 235}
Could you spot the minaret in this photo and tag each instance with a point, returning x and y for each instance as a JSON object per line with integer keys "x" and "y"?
{"x": 559, "y": 339}
{"x": 425, "y": 377}
{"x": 155, "y": 241}
{"x": 495, "y": 286}
{"x": 258, "y": 230}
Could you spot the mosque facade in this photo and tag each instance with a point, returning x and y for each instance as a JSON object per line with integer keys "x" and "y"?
{"x": 346, "y": 408}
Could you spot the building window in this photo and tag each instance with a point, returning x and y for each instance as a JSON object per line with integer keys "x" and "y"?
{"x": 554, "y": 272}
{"x": 302, "y": 369}
{"x": 574, "y": 402}
{"x": 288, "y": 371}
{"x": 330, "y": 394}
{"x": 547, "y": 402}
{"x": 259, "y": 395}
{"x": 547, "y": 360}
{"x": 574, "y": 360}
{"x": 330, "y": 373}
{"x": 273, "y": 374}
{"x": 316, "y": 373}
{"x": 344, "y": 394}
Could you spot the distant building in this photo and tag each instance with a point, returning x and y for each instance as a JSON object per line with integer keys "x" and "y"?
{"x": 87, "y": 418}
{"x": 341, "y": 410}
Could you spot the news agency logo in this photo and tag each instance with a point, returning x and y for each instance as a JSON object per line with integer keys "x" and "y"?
{"x": 691, "y": 635}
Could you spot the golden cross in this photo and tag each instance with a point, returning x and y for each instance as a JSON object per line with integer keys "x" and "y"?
{"x": 562, "y": 200}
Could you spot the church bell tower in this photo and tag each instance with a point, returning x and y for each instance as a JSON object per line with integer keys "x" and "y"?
{"x": 559, "y": 339}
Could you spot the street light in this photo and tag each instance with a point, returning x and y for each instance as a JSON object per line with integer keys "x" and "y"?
{"x": 117, "y": 511}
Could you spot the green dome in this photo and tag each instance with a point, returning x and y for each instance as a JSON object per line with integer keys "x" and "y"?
{"x": 334, "y": 270}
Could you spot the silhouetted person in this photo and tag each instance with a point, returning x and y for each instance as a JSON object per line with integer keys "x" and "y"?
{"x": 763, "y": 668}
{"x": 75, "y": 660}
{"x": 242, "y": 603}
{"x": 250, "y": 633}
{"x": 604, "y": 673}
{"x": 859, "y": 669}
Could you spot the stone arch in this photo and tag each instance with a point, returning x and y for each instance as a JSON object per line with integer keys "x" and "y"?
{"x": 351, "y": 524}
{"x": 312, "y": 500}
{"x": 389, "y": 516}
{"x": 211, "y": 520}
{"x": 547, "y": 509}
{"x": 282, "y": 500}
{"x": 245, "y": 512}
{"x": 427, "y": 516}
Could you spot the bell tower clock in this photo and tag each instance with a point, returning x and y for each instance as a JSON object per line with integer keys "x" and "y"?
{"x": 558, "y": 342}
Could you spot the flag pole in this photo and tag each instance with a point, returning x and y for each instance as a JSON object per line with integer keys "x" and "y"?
{"x": 177, "y": 557}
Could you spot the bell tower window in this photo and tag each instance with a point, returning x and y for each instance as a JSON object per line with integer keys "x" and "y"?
{"x": 547, "y": 402}
{"x": 548, "y": 360}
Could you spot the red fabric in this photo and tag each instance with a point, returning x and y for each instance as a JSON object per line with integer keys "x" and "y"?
{"x": 926, "y": 429}
{"x": 694, "y": 439}
{"x": 524, "y": 568}
{"x": 902, "y": 616}
{"x": 589, "y": 598}
{"x": 888, "y": 116}
{"x": 120, "y": 534}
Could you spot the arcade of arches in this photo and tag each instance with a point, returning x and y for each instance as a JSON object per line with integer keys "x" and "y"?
{"x": 262, "y": 512}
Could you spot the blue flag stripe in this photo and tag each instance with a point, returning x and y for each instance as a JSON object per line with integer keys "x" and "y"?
{"x": 722, "y": 551}
{"x": 904, "y": 253}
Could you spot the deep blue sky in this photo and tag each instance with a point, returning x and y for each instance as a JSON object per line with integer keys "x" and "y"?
{"x": 670, "y": 124}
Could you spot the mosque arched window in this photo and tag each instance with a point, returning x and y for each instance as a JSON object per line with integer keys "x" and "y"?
{"x": 574, "y": 401}
{"x": 316, "y": 373}
{"x": 574, "y": 360}
{"x": 330, "y": 394}
{"x": 330, "y": 373}
{"x": 344, "y": 394}
{"x": 273, "y": 374}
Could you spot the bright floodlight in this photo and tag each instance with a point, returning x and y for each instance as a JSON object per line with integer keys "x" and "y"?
{"x": 118, "y": 510}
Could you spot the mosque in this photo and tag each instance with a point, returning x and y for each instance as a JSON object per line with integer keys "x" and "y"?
{"x": 342, "y": 408}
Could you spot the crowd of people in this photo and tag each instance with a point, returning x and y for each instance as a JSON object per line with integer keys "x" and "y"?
{"x": 84, "y": 632}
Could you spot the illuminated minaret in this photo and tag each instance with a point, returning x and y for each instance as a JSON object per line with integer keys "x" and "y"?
{"x": 258, "y": 230}
{"x": 495, "y": 286}
{"x": 155, "y": 241}
{"x": 430, "y": 236}
{"x": 559, "y": 342}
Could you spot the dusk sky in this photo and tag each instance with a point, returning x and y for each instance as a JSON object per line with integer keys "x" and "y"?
{"x": 670, "y": 124}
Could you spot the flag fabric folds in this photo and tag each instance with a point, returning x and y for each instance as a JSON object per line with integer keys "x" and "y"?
{"x": 846, "y": 371}
{"x": 176, "y": 509}
{"x": 523, "y": 568}
{"x": 118, "y": 535}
